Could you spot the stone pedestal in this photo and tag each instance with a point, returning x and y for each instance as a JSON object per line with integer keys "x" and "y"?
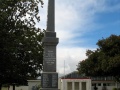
{"x": 49, "y": 89}
{"x": 49, "y": 78}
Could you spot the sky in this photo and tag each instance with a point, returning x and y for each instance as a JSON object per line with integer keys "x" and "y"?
{"x": 79, "y": 24}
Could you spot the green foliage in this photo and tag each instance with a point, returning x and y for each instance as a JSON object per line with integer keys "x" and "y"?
{"x": 105, "y": 61}
{"x": 116, "y": 89}
{"x": 38, "y": 87}
{"x": 20, "y": 42}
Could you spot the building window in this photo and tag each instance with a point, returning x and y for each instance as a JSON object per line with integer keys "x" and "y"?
{"x": 93, "y": 84}
{"x": 99, "y": 84}
{"x": 69, "y": 85}
{"x": 111, "y": 84}
{"x": 108, "y": 84}
{"x": 104, "y": 84}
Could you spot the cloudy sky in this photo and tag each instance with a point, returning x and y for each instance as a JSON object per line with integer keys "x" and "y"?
{"x": 79, "y": 25}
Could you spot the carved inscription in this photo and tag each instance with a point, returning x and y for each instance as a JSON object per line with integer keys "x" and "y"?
{"x": 49, "y": 61}
{"x": 54, "y": 80}
{"x": 49, "y": 80}
{"x": 45, "y": 79}
{"x": 50, "y": 57}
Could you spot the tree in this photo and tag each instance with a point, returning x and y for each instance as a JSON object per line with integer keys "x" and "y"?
{"x": 105, "y": 61}
{"x": 20, "y": 42}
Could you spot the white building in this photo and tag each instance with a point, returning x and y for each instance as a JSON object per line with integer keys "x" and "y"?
{"x": 32, "y": 85}
{"x": 107, "y": 82}
{"x": 74, "y": 81}
{"x": 75, "y": 84}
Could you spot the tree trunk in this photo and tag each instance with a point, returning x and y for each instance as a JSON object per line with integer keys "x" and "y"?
{"x": 13, "y": 86}
{"x": 0, "y": 86}
{"x": 8, "y": 87}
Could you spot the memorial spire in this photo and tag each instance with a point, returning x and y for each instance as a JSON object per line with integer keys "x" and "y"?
{"x": 51, "y": 16}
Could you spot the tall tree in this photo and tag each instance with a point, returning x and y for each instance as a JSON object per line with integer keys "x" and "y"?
{"x": 20, "y": 42}
{"x": 105, "y": 61}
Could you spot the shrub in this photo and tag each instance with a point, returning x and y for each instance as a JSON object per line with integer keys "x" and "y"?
{"x": 114, "y": 89}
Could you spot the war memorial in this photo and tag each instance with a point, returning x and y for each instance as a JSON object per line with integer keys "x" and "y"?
{"x": 49, "y": 78}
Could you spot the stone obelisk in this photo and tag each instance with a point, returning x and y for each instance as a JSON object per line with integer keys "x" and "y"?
{"x": 49, "y": 78}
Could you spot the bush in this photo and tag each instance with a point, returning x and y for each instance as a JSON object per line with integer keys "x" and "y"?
{"x": 114, "y": 89}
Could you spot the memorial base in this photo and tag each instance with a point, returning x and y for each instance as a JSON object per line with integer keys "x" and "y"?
{"x": 48, "y": 89}
{"x": 49, "y": 81}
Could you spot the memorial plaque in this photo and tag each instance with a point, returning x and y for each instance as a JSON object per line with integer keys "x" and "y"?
{"x": 49, "y": 59}
{"x": 49, "y": 80}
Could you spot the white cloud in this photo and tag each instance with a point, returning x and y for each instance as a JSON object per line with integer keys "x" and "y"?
{"x": 73, "y": 19}
{"x": 43, "y": 15}
{"x": 71, "y": 57}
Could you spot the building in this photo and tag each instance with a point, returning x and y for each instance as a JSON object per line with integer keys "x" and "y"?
{"x": 73, "y": 81}
{"x": 104, "y": 82}
{"x": 32, "y": 85}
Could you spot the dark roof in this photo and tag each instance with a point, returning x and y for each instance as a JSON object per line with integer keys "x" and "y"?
{"x": 73, "y": 75}
{"x": 76, "y": 75}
